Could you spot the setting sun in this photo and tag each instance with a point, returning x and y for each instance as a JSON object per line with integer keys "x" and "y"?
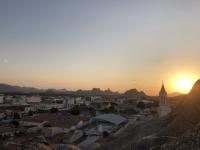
{"x": 183, "y": 83}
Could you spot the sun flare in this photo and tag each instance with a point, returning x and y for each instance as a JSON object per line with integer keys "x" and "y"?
{"x": 183, "y": 83}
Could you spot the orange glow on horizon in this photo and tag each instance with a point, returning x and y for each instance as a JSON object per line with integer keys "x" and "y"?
{"x": 183, "y": 82}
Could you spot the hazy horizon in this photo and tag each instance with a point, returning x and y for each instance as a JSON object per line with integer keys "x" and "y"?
{"x": 106, "y": 44}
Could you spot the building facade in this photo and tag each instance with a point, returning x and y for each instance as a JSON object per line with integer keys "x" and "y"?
{"x": 164, "y": 108}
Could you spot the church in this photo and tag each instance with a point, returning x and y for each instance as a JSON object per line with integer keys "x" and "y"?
{"x": 164, "y": 108}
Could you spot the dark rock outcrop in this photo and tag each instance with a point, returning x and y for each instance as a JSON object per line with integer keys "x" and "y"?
{"x": 189, "y": 141}
{"x": 37, "y": 143}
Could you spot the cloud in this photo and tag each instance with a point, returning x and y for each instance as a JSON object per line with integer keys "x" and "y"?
{"x": 5, "y": 60}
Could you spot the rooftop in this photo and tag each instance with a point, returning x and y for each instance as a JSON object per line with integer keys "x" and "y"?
{"x": 112, "y": 118}
{"x": 6, "y": 129}
{"x": 56, "y": 120}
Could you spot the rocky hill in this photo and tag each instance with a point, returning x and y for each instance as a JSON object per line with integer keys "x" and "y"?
{"x": 186, "y": 114}
{"x": 189, "y": 141}
{"x": 175, "y": 131}
{"x": 5, "y": 88}
{"x": 134, "y": 93}
{"x": 185, "y": 124}
{"x": 9, "y": 89}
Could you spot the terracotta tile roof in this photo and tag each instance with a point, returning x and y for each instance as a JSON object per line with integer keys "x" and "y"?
{"x": 6, "y": 129}
{"x": 10, "y": 147}
{"x": 22, "y": 139}
{"x": 33, "y": 103}
{"x": 2, "y": 110}
{"x": 37, "y": 142}
{"x": 56, "y": 120}
{"x": 14, "y": 108}
{"x": 56, "y": 139}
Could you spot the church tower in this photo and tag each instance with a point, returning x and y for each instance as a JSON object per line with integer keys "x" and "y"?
{"x": 164, "y": 108}
{"x": 163, "y": 96}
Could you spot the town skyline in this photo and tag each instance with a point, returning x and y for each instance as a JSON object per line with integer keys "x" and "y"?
{"x": 99, "y": 74}
{"x": 116, "y": 45}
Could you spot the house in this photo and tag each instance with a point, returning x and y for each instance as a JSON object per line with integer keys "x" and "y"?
{"x": 7, "y": 131}
{"x": 122, "y": 108}
{"x": 79, "y": 100}
{"x": 49, "y": 132}
{"x": 1, "y": 99}
{"x": 106, "y": 122}
{"x": 96, "y": 99}
{"x": 119, "y": 101}
{"x": 66, "y": 123}
{"x": 31, "y": 108}
{"x": 15, "y": 100}
{"x": 48, "y": 106}
{"x": 33, "y": 99}
{"x": 10, "y": 111}
{"x": 111, "y": 118}
{"x": 58, "y": 100}
{"x": 7, "y": 99}
{"x": 69, "y": 102}
{"x": 2, "y": 113}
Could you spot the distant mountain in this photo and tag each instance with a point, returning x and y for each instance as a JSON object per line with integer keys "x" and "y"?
{"x": 5, "y": 88}
{"x": 175, "y": 94}
{"x": 134, "y": 93}
{"x": 95, "y": 91}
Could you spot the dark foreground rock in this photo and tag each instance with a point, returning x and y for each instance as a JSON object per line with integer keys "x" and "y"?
{"x": 37, "y": 143}
{"x": 189, "y": 141}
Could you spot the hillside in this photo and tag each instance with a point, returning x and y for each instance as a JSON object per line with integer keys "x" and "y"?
{"x": 186, "y": 114}
{"x": 170, "y": 130}
{"x": 5, "y": 88}
{"x": 185, "y": 124}
{"x": 9, "y": 89}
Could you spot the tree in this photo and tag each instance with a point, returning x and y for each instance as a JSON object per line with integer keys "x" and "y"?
{"x": 141, "y": 105}
{"x": 75, "y": 111}
{"x": 54, "y": 110}
{"x": 15, "y": 123}
{"x": 105, "y": 134}
{"x": 30, "y": 113}
{"x": 92, "y": 112}
{"x": 16, "y": 116}
{"x": 130, "y": 111}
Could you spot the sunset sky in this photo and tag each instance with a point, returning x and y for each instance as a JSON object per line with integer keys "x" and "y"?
{"x": 116, "y": 44}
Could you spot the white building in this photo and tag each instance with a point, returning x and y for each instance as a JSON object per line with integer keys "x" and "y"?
{"x": 7, "y": 99}
{"x": 34, "y": 99}
{"x": 164, "y": 108}
{"x": 1, "y": 98}
{"x": 96, "y": 99}
{"x": 15, "y": 100}
{"x": 79, "y": 100}
{"x": 69, "y": 102}
{"x": 29, "y": 108}
{"x": 45, "y": 106}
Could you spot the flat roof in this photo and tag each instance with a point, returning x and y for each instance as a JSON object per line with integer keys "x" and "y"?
{"x": 112, "y": 118}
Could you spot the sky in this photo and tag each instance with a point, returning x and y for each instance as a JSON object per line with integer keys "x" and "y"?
{"x": 116, "y": 44}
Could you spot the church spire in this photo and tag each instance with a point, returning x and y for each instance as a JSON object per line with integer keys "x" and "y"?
{"x": 163, "y": 95}
{"x": 164, "y": 108}
{"x": 163, "y": 88}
